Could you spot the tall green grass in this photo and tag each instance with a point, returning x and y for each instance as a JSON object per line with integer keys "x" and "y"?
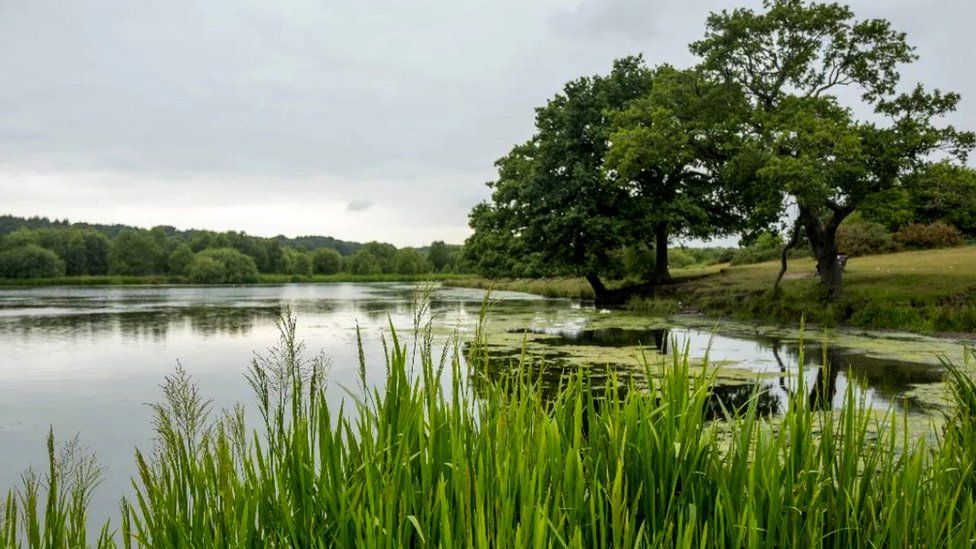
{"x": 413, "y": 464}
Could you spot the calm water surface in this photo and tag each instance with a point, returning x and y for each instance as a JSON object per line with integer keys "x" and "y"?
{"x": 85, "y": 361}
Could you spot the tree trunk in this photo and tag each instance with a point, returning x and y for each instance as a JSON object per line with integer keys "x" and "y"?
{"x": 661, "y": 271}
{"x": 823, "y": 243}
{"x": 825, "y": 388}
{"x": 599, "y": 289}
{"x": 794, "y": 238}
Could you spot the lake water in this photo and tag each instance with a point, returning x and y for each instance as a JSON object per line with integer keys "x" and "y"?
{"x": 85, "y": 361}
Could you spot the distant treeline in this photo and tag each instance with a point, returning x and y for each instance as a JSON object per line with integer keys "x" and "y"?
{"x": 41, "y": 248}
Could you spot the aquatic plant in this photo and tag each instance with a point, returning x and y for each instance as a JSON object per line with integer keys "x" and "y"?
{"x": 424, "y": 460}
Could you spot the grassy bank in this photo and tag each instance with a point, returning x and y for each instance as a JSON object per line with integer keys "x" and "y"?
{"x": 926, "y": 291}
{"x": 931, "y": 291}
{"x": 562, "y": 287}
{"x": 492, "y": 463}
{"x": 121, "y": 280}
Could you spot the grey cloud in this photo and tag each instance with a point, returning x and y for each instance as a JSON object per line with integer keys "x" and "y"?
{"x": 227, "y": 105}
{"x": 359, "y": 205}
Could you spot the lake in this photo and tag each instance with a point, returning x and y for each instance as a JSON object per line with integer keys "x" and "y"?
{"x": 86, "y": 361}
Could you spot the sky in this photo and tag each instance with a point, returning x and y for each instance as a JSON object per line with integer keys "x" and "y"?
{"x": 363, "y": 120}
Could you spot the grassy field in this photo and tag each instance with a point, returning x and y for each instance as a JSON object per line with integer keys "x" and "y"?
{"x": 926, "y": 291}
{"x": 502, "y": 463}
{"x": 122, "y": 280}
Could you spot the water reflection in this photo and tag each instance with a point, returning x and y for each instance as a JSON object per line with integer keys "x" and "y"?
{"x": 552, "y": 372}
{"x": 603, "y": 337}
{"x": 86, "y": 360}
{"x": 881, "y": 381}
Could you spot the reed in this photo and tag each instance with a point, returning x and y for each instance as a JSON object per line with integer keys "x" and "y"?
{"x": 441, "y": 455}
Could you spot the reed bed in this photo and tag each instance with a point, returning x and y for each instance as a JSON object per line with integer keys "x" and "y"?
{"x": 441, "y": 456}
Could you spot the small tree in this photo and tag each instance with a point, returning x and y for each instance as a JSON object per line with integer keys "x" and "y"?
{"x": 297, "y": 262}
{"x": 234, "y": 267}
{"x": 30, "y": 261}
{"x": 440, "y": 255}
{"x": 363, "y": 263}
{"x": 180, "y": 259}
{"x": 136, "y": 253}
{"x": 410, "y": 261}
{"x": 326, "y": 261}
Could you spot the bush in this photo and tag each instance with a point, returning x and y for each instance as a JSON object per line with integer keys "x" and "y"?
{"x": 222, "y": 266}
{"x": 30, "y": 261}
{"x": 326, "y": 261}
{"x": 858, "y": 237}
{"x": 364, "y": 263}
{"x": 926, "y": 236}
{"x": 180, "y": 259}
{"x": 205, "y": 270}
{"x": 678, "y": 258}
{"x": 297, "y": 262}
{"x": 136, "y": 253}
{"x": 409, "y": 261}
{"x": 767, "y": 247}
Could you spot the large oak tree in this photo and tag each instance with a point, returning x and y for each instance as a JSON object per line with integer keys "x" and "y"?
{"x": 792, "y": 59}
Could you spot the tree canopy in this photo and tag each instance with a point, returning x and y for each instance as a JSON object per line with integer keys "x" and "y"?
{"x": 790, "y": 60}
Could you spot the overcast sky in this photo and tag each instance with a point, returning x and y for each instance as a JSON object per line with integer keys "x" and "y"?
{"x": 358, "y": 119}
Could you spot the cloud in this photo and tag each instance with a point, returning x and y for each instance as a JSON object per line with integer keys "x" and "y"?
{"x": 359, "y": 205}
{"x": 225, "y": 106}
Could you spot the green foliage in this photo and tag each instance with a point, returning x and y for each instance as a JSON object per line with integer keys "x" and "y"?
{"x": 136, "y": 253}
{"x": 297, "y": 262}
{"x": 495, "y": 249}
{"x": 679, "y": 258}
{"x": 503, "y": 461}
{"x": 205, "y": 270}
{"x": 30, "y": 261}
{"x": 222, "y": 266}
{"x": 364, "y": 263}
{"x": 375, "y": 258}
{"x": 95, "y": 250}
{"x": 767, "y": 246}
{"x": 441, "y": 256}
{"x": 326, "y": 261}
{"x": 922, "y": 236}
{"x": 410, "y": 261}
{"x": 84, "y": 252}
{"x": 944, "y": 192}
{"x": 552, "y": 198}
{"x": 789, "y": 59}
{"x": 180, "y": 259}
{"x": 672, "y": 149}
{"x": 857, "y": 236}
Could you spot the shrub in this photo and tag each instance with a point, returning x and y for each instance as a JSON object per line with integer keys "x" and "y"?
{"x": 767, "y": 247}
{"x": 180, "y": 259}
{"x": 205, "y": 270}
{"x": 410, "y": 261}
{"x": 30, "y": 261}
{"x": 297, "y": 262}
{"x": 222, "y": 266}
{"x": 136, "y": 253}
{"x": 326, "y": 261}
{"x": 678, "y": 258}
{"x": 364, "y": 263}
{"x": 859, "y": 237}
{"x": 926, "y": 236}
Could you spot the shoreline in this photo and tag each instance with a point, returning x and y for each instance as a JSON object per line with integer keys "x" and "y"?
{"x": 167, "y": 280}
